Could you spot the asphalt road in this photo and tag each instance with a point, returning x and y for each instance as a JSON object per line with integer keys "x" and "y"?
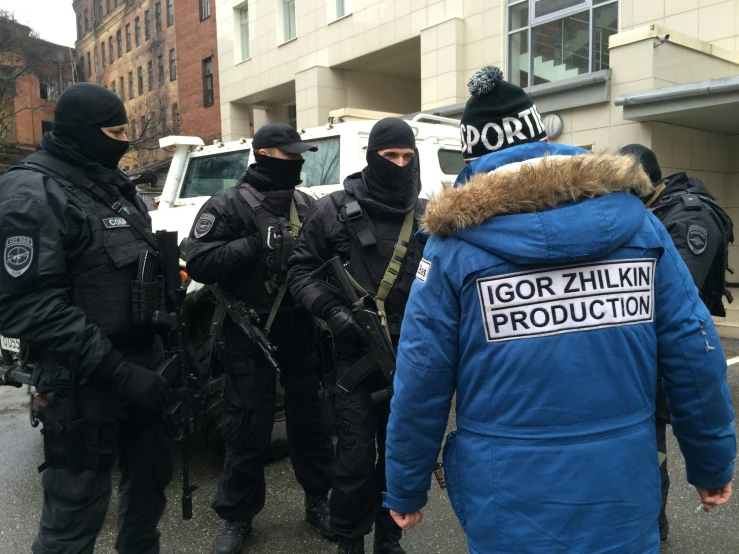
{"x": 280, "y": 528}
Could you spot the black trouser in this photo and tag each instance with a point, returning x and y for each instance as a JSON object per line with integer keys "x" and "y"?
{"x": 250, "y": 412}
{"x": 75, "y": 504}
{"x": 359, "y": 467}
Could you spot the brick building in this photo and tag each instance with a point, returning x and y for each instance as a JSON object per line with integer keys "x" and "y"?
{"x": 129, "y": 46}
{"x": 199, "y": 96}
{"x": 34, "y": 74}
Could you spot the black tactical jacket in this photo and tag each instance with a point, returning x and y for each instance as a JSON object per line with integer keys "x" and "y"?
{"x": 228, "y": 245}
{"x": 68, "y": 264}
{"x": 326, "y": 234}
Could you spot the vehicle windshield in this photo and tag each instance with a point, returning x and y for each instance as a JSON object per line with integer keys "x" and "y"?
{"x": 322, "y": 167}
{"x": 451, "y": 162}
{"x": 208, "y": 175}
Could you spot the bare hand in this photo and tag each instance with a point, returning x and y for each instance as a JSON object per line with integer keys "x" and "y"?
{"x": 406, "y": 521}
{"x": 712, "y": 498}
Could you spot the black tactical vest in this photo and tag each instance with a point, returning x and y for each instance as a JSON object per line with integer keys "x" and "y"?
{"x": 100, "y": 276}
{"x": 261, "y": 285}
{"x": 373, "y": 240}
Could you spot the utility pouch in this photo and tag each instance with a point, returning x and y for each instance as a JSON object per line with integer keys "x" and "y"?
{"x": 145, "y": 290}
{"x": 64, "y": 436}
{"x": 326, "y": 398}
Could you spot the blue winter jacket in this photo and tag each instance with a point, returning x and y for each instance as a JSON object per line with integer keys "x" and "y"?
{"x": 550, "y": 326}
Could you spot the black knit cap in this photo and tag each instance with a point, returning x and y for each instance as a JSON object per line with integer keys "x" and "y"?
{"x": 647, "y": 159}
{"x": 391, "y": 132}
{"x": 87, "y": 105}
{"x": 498, "y": 115}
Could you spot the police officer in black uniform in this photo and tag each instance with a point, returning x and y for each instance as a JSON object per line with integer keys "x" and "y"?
{"x": 701, "y": 231}
{"x": 235, "y": 243}
{"x": 69, "y": 259}
{"x": 362, "y": 225}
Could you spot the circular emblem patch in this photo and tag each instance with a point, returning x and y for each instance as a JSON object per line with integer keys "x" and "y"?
{"x": 697, "y": 239}
{"x": 204, "y": 225}
{"x": 18, "y": 255}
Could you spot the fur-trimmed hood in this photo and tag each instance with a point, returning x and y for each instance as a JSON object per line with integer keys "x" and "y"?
{"x": 533, "y": 186}
{"x": 539, "y": 203}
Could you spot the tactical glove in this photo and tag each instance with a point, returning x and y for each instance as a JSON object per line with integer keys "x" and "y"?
{"x": 343, "y": 325}
{"x": 142, "y": 387}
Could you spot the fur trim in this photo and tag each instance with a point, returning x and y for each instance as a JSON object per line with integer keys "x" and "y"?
{"x": 533, "y": 186}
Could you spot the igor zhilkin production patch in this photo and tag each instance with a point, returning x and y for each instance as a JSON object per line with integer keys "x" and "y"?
{"x": 567, "y": 299}
{"x": 18, "y": 255}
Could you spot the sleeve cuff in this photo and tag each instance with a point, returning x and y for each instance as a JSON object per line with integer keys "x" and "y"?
{"x": 404, "y": 505}
{"x": 711, "y": 481}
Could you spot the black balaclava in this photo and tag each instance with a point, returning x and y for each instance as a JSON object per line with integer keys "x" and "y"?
{"x": 387, "y": 182}
{"x": 274, "y": 173}
{"x": 81, "y": 111}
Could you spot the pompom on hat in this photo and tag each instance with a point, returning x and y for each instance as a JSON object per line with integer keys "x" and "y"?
{"x": 497, "y": 116}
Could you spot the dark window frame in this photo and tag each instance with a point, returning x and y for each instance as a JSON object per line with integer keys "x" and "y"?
{"x": 204, "y": 9}
{"x": 140, "y": 78}
{"x": 128, "y": 37}
{"x": 147, "y": 25}
{"x": 160, "y": 67}
{"x": 158, "y": 17}
{"x": 123, "y": 88}
{"x": 131, "y": 88}
{"x": 175, "y": 118}
{"x": 150, "y": 74}
{"x": 172, "y": 65}
{"x": 111, "y": 53}
{"x": 137, "y": 31}
{"x": 208, "y": 92}
{"x": 170, "y": 13}
{"x": 119, "y": 42}
{"x": 102, "y": 52}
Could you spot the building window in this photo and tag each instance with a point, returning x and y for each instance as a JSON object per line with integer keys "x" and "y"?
{"x": 130, "y": 85}
{"x": 128, "y": 37}
{"x": 123, "y": 88}
{"x": 97, "y": 66}
{"x": 100, "y": 9}
{"x": 79, "y": 26}
{"x": 172, "y": 66}
{"x": 244, "y": 22}
{"x": 170, "y": 13}
{"x": 89, "y": 66}
{"x": 292, "y": 116}
{"x": 150, "y": 74}
{"x": 208, "y": 82}
{"x": 112, "y": 86}
{"x": 147, "y": 24}
{"x": 550, "y": 40}
{"x": 87, "y": 21}
{"x": 107, "y": 5}
{"x": 288, "y": 20}
{"x": 43, "y": 91}
{"x": 82, "y": 69}
{"x": 160, "y": 67}
{"x": 119, "y": 42}
{"x": 102, "y": 51}
{"x": 111, "y": 56}
{"x": 175, "y": 118}
{"x": 140, "y": 72}
{"x": 158, "y": 16}
{"x": 204, "y": 9}
{"x": 137, "y": 31}
{"x": 340, "y": 8}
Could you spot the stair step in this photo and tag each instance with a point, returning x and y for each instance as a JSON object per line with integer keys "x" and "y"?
{"x": 726, "y": 329}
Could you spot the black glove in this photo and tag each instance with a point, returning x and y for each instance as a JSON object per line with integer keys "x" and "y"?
{"x": 343, "y": 325}
{"x": 142, "y": 386}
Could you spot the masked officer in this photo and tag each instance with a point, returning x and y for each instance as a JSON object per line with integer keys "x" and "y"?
{"x": 701, "y": 231}
{"x": 72, "y": 232}
{"x": 235, "y": 242}
{"x": 378, "y": 208}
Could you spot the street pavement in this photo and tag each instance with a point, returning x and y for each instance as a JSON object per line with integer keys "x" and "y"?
{"x": 280, "y": 528}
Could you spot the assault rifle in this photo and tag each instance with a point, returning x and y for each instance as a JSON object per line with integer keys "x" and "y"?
{"x": 334, "y": 277}
{"x": 161, "y": 301}
{"x": 248, "y": 322}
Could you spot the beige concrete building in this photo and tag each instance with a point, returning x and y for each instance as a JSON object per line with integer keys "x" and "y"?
{"x": 664, "y": 73}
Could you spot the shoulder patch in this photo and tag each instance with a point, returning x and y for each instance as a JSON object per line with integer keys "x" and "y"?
{"x": 423, "y": 270}
{"x": 204, "y": 225}
{"x": 17, "y": 255}
{"x": 697, "y": 239}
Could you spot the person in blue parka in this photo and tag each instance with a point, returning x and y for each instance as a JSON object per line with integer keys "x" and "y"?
{"x": 547, "y": 300}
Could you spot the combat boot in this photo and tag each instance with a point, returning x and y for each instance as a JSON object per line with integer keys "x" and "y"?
{"x": 231, "y": 538}
{"x": 351, "y": 546}
{"x": 317, "y": 514}
{"x": 387, "y": 537}
{"x": 664, "y": 528}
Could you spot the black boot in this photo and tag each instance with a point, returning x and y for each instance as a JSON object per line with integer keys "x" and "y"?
{"x": 351, "y": 546}
{"x": 317, "y": 514}
{"x": 231, "y": 538}
{"x": 387, "y": 536}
